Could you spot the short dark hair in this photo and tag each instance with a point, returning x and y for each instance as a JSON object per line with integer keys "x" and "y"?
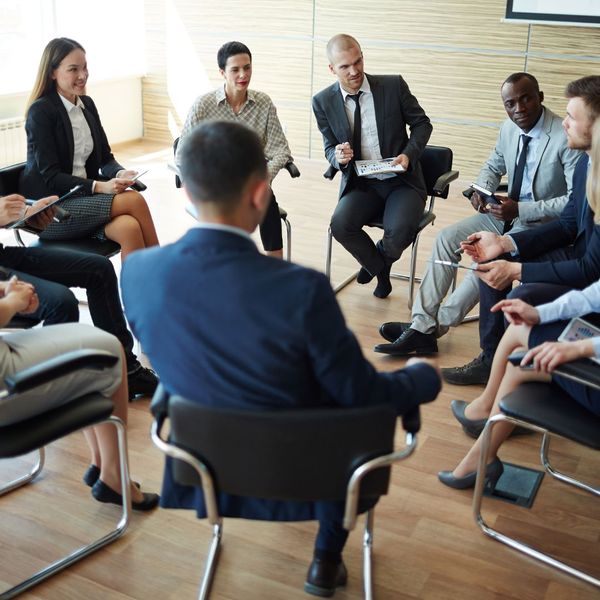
{"x": 521, "y": 75}
{"x": 231, "y": 49}
{"x": 217, "y": 160}
{"x": 588, "y": 89}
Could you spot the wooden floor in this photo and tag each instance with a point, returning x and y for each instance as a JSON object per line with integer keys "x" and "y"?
{"x": 426, "y": 542}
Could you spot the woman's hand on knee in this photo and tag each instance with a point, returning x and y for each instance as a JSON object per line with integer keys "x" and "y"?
{"x": 549, "y": 355}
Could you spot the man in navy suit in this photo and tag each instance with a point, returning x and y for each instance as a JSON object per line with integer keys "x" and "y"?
{"x": 549, "y": 260}
{"x": 226, "y": 326}
{"x": 365, "y": 117}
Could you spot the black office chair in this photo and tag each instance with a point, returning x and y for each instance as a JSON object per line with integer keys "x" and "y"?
{"x": 9, "y": 184}
{"x": 436, "y": 162}
{"x": 294, "y": 172}
{"x": 545, "y": 408}
{"x": 32, "y": 434}
{"x": 284, "y": 455}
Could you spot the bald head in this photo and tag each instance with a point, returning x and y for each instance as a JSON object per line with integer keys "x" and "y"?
{"x": 341, "y": 42}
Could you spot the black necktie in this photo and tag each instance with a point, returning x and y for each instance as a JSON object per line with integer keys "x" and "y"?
{"x": 515, "y": 190}
{"x": 357, "y": 125}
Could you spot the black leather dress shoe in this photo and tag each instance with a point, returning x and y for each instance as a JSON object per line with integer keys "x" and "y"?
{"x": 324, "y": 576}
{"x": 477, "y": 372}
{"x": 103, "y": 493}
{"x": 392, "y": 330}
{"x": 142, "y": 382}
{"x": 410, "y": 342}
{"x": 493, "y": 472}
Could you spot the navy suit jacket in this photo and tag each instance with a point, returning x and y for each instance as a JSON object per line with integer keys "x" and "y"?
{"x": 575, "y": 227}
{"x": 395, "y": 109}
{"x": 50, "y": 149}
{"x": 226, "y": 326}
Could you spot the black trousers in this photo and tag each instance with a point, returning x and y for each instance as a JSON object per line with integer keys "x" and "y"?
{"x": 54, "y": 271}
{"x": 270, "y": 228}
{"x": 492, "y": 325}
{"x": 398, "y": 206}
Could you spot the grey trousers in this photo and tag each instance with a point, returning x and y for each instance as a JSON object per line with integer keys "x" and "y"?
{"x": 428, "y": 314}
{"x": 26, "y": 348}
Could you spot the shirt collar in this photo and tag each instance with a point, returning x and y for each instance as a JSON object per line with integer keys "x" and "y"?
{"x": 365, "y": 88}
{"x": 221, "y": 227}
{"x": 69, "y": 105}
{"x": 221, "y": 97}
{"x": 536, "y": 131}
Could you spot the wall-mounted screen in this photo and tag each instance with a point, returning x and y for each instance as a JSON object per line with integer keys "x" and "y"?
{"x": 554, "y": 12}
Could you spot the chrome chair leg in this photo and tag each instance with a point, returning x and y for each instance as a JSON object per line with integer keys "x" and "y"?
{"x": 288, "y": 251}
{"x": 35, "y": 470}
{"x": 500, "y": 537}
{"x": 211, "y": 561}
{"x": 367, "y": 554}
{"x": 413, "y": 267}
{"x": 328, "y": 254}
{"x": 88, "y": 549}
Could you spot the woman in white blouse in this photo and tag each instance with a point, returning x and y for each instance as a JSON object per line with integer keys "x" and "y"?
{"x": 535, "y": 328}
{"x": 67, "y": 147}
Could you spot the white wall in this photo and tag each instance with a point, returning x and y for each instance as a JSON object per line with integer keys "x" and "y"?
{"x": 119, "y": 103}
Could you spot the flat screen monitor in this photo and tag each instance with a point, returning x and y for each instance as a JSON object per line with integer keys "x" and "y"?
{"x": 555, "y": 12}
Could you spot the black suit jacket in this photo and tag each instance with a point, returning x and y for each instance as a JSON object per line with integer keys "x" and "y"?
{"x": 50, "y": 149}
{"x": 574, "y": 227}
{"x": 395, "y": 109}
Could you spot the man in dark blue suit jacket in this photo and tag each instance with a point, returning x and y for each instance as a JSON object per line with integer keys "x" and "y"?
{"x": 385, "y": 108}
{"x": 227, "y": 326}
{"x": 549, "y": 260}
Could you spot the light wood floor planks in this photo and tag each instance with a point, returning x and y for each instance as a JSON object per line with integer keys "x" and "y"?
{"x": 426, "y": 543}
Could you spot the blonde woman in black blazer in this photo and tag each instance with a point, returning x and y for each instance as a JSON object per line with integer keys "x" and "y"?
{"x": 67, "y": 146}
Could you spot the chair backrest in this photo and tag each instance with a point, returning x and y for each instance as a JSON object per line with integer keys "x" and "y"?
{"x": 9, "y": 178}
{"x": 284, "y": 454}
{"x": 435, "y": 161}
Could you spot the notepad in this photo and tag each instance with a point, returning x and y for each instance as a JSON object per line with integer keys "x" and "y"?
{"x": 377, "y": 167}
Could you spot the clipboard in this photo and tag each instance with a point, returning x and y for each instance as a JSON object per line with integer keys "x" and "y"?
{"x": 22, "y": 222}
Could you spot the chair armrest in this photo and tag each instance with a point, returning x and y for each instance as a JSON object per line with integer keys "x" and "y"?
{"x": 159, "y": 406}
{"x": 292, "y": 169}
{"x": 443, "y": 181}
{"x": 330, "y": 173}
{"x": 582, "y": 370}
{"x": 47, "y": 371}
{"x": 411, "y": 421}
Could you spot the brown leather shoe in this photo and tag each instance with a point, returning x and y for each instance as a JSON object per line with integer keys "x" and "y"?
{"x": 324, "y": 576}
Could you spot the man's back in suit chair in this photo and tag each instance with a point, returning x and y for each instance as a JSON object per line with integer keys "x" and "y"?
{"x": 384, "y": 107}
{"x": 226, "y": 326}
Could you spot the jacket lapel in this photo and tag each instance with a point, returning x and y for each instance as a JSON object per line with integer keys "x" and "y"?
{"x": 379, "y": 103}
{"x": 341, "y": 125}
{"x": 91, "y": 121}
{"x": 542, "y": 143}
{"x": 64, "y": 116}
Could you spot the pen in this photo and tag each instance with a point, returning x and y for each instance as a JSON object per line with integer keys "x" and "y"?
{"x": 468, "y": 243}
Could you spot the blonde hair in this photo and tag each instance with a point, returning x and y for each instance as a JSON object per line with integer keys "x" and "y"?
{"x": 341, "y": 42}
{"x": 593, "y": 179}
{"x": 53, "y": 54}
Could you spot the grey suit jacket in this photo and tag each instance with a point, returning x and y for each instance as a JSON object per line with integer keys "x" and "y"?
{"x": 553, "y": 175}
{"x": 395, "y": 109}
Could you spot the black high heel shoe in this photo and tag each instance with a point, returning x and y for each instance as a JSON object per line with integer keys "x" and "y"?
{"x": 472, "y": 427}
{"x": 103, "y": 493}
{"x": 493, "y": 472}
{"x": 92, "y": 474}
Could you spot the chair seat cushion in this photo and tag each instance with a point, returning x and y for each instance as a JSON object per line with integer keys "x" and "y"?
{"x": 548, "y": 406}
{"x": 31, "y": 434}
{"x": 106, "y": 248}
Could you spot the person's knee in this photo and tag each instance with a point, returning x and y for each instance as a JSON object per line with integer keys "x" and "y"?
{"x": 520, "y": 292}
{"x": 339, "y": 226}
{"x": 61, "y": 307}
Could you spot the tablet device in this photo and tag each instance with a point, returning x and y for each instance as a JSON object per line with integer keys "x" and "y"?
{"x": 485, "y": 194}
{"x": 447, "y": 263}
{"x": 22, "y": 222}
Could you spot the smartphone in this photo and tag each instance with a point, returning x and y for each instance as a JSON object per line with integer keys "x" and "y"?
{"x": 485, "y": 194}
{"x": 447, "y": 263}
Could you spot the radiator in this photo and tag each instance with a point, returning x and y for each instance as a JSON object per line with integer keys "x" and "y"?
{"x": 13, "y": 141}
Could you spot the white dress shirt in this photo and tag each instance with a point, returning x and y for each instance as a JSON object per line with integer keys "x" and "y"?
{"x": 83, "y": 144}
{"x": 369, "y": 138}
{"x": 573, "y": 304}
{"x": 526, "y": 194}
